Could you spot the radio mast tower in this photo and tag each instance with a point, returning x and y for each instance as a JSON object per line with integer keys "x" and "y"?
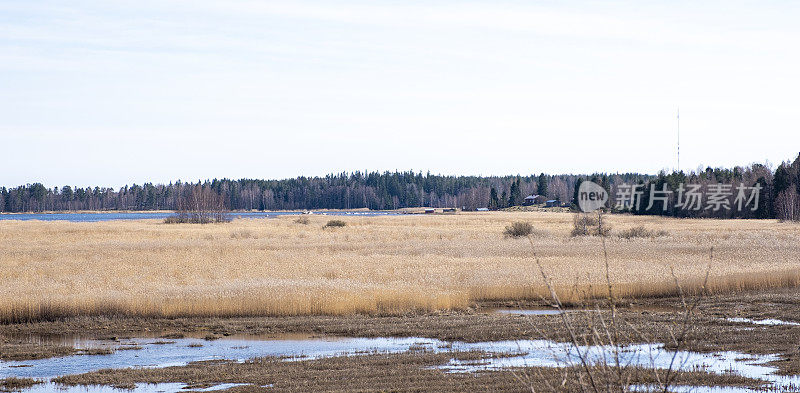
{"x": 679, "y": 140}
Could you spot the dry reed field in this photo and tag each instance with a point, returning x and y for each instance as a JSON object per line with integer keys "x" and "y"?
{"x": 376, "y": 265}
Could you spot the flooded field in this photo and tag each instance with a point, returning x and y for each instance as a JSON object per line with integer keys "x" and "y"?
{"x": 153, "y": 352}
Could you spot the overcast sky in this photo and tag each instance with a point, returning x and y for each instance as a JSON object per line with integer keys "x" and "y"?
{"x": 116, "y": 92}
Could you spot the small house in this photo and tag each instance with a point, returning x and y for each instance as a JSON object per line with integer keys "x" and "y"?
{"x": 552, "y": 203}
{"x": 530, "y": 200}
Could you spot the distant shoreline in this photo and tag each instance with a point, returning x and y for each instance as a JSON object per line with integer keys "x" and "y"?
{"x": 173, "y": 211}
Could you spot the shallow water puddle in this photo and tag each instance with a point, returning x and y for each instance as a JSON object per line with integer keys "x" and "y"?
{"x": 543, "y": 353}
{"x": 698, "y": 389}
{"x": 517, "y": 311}
{"x": 767, "y": 322}
{"x": 555, "y": 311}
{"x": 179, "y": 352}
{"x": 156, "y": 352}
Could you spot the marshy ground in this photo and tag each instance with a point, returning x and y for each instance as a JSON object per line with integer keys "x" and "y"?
{"x": 651, "y": 319}
{"x": 713, "y": 329}
{"x": 436, "y": 277}
{"x": 410, "y": 371}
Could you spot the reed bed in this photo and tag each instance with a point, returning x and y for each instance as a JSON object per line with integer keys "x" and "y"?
{"x": 373, "y": 265}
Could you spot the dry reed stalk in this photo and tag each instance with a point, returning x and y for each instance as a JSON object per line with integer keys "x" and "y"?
{"x": 374, "y": 265}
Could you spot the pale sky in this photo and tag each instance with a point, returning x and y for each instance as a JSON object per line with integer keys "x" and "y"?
{"x": 115, "y": 92}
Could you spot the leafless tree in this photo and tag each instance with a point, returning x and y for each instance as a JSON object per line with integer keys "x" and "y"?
{"x": 787, "y": 205}
{"x": 199, "y": 205}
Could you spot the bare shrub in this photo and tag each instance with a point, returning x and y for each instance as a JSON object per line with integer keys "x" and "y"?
{"x": 585, "y": 224}
{"x": 518, "y": 229}
{"x": 176, "y": 219}
{"x": 334, "y": 224}
{"x": 302, "y": 220}
{"x": 608, "y": 371}
{"x": 641, "y": 232}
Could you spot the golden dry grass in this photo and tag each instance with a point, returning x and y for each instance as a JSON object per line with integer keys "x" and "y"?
{"x": 388, "y": 264}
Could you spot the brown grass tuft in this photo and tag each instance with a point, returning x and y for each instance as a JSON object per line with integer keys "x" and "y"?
{"x": 12, "y": 384}
{"x": 518, "y": 229}
{"x": 641, "y": 232}
{"x": 334, "y": 224}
